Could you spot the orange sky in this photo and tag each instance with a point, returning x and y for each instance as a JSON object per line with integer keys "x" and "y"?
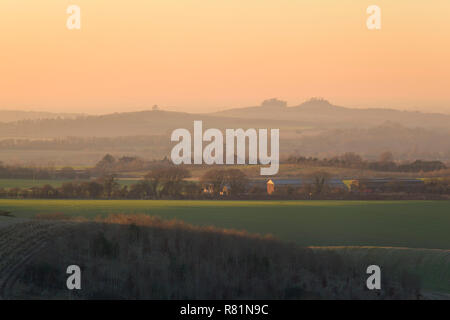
{"x": 198, "y": 55}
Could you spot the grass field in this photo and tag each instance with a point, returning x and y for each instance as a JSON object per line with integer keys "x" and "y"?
{"x": 416, "y": 233}
{"x": 414, "y": 224}
{"x": 29, "y": 183}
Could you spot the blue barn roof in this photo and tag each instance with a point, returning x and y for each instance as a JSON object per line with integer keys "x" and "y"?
{"x": 287, "y": 182}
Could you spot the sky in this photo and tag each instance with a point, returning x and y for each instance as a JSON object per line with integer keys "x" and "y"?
{"x": 204, "y": 55}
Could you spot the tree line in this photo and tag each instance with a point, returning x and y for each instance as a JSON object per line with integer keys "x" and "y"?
{"x": 38, "y": 173}
{"x": 384, "y": 163}
{"x": 161, "y": 183}
{"x": 107, "y": 165}
{"x": 110, "y": 165}
{"x": 173, "y": 183}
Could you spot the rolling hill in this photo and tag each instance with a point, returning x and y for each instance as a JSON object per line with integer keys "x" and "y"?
{"x": 322, "y": 112}
{"x": 314, "y": 128}
{"x": 13, "y": 116}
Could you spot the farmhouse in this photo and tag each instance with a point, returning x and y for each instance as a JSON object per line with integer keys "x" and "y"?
{"x": 209, "y": 189}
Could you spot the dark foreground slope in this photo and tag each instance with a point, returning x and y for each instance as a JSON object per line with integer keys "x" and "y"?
{"x": 143, "y": 257}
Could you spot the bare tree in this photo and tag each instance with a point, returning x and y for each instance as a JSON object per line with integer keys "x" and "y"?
{"x": 319, "y": 181}
{"x": 168, "y": 181}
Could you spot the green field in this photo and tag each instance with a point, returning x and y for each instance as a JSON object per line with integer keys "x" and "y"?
{"x": 380, "y": 225}
{"x": 414, "y": 224}
{"x": 29, "y": 183}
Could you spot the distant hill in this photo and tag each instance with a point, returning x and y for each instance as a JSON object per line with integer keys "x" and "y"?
{"x": 313, "y": 128}
{"x": 153, "y": 122}
{"x": 12, "y": 116}
{"x": 313, "y": 115}
{"x": 322, "y": 112}
{"x": 405, "y": 143}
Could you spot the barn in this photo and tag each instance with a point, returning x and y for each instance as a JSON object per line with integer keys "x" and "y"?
{"x": 277, "y": 184}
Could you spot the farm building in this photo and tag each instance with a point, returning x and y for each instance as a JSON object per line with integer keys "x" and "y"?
{"x": 209, "y": 189}
{"x": 277, "y": 184}
{"x": 273, "y": 184}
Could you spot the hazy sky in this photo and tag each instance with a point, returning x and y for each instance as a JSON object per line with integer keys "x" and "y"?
{"x": 199, "y": 55}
